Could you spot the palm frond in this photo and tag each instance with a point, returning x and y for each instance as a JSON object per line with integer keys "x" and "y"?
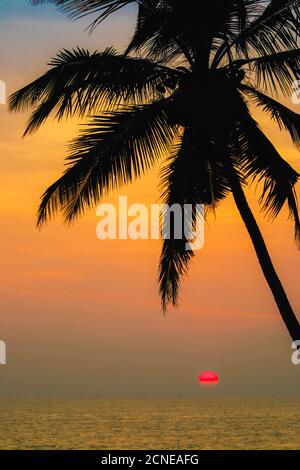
{"x": 275, "y": 29}
{"x": 113, "y": 150}
{"x": 175, "y": 258}
{"x": 275, "y": 71}
{"x": 192, "y": 175}
{"x": 174, "y": 262}
{"x": 168, "y": 29}
{"x": 158, "y": 34}
{"x": 82, "y": 83}
{"x": 258, "y": 160}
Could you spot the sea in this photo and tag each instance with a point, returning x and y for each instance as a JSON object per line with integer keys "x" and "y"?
{"x": 173, "y": 424}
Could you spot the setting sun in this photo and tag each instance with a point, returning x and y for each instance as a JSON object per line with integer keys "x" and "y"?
{"x": 208, "y": 377}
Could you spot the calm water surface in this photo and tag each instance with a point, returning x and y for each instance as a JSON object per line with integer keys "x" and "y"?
{"x": 150, "y": 424}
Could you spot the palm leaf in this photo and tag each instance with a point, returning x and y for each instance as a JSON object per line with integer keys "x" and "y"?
{"x": 258, "y": 160}
{"x": 80, "y": 8}
{"x": 275, "y": 29}
{"x": 158, "y": 34}
{"x": 193, "y": 175}
{"x": 113, "y": 150}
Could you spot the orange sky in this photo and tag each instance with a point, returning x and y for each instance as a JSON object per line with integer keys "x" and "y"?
{"x": 82, "y": 316}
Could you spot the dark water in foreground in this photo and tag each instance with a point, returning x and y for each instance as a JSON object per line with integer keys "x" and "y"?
{"x": 150, "y": 424}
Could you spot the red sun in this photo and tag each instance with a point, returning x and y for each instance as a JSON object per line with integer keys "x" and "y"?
{"x": 208, "y": 377}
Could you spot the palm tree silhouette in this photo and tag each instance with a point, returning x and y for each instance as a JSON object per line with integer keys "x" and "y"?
{"x": 182, "y": 88}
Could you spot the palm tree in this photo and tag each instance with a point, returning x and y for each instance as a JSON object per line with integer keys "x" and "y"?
{"x": 181, "y": 91}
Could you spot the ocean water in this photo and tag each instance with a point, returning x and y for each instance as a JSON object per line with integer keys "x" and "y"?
{"x": 150, "y": 424}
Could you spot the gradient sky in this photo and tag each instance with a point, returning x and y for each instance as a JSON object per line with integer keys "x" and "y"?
{"x": 82, "y": 316}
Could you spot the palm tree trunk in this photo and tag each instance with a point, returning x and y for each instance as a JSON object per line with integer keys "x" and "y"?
{"x": 265, "y": 261}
